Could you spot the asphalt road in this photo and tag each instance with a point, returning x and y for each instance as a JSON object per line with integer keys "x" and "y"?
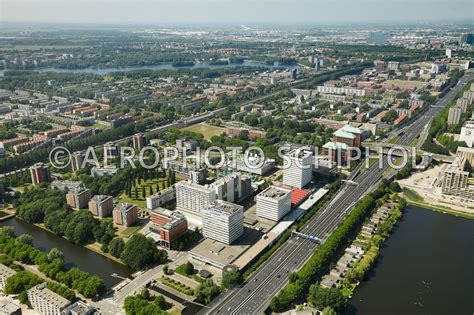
{"x": 254, "y": 296}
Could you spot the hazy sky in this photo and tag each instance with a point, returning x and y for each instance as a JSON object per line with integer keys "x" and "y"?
{"x": 235, "y": 11}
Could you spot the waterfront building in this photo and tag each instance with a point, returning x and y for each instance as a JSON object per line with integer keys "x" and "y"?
{"x": 39, "y": 174}
{"x": 125, "y": 214}
{"x": 45, "y": 301}
{"x": 101, "y": 205}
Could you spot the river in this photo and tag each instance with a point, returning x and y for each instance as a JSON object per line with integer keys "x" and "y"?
{"x": 74, "y": 255}
{"x": 425, "y": 267}
{"x": 167, "y": 66}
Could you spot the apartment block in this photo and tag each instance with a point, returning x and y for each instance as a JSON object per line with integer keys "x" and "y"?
{"x": 5, "y": 273}
{"x": 39, "y": 174}
{"x": 101, "y": 205}
{"x": 223, "y": 221}
{"x": 78, "y": 198}
{"x": 46, "y": 301}
{"x": 456, "y": 179}
{"x": 125, "y": 214}
{"x": 273, "y": 203}
{"x": 454, "y": 115}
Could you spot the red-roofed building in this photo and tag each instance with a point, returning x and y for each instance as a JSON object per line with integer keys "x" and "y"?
{"x": 298, "y": 196}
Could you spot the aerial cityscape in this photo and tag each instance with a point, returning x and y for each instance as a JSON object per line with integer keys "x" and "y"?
{"x": 236, "y": 157}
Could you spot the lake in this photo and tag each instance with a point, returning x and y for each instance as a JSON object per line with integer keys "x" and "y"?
{"x": 425, "y": 267}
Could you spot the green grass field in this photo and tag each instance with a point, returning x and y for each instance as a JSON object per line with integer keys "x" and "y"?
{"x": 140, "y": 200}
{"x": 206, "y": 130}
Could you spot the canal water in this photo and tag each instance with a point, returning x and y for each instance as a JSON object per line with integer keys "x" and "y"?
{"x": 166, "y": 66}
{"x": 74, "y": 255}
{"x": 425, "y": 267}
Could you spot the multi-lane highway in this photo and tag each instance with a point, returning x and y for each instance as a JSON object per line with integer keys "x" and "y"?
{"x": 254, "y": 296}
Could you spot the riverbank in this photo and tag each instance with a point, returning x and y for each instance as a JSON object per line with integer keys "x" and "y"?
{"x": 74, "y": 255}
{"x": 415, "y": 199}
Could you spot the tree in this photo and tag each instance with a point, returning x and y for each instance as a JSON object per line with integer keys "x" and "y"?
{"x": 143, "y": 192}
{"x": 230, "y": 279}
{"x": 188, "y": 268}
{"x": 166, "y": 269}
{"x": 206, "y": 291}
{"x": 25, "y": 239}
{"x": 323, "y": 297}
{"x": 145, "y": 294}
{"x": 55, "y": 253}
{"x": 329, "y": 311}
{"x": 116, "y": 247}
{"x": 160, "y": 302}
{"x": 395, "y": 187}
{"x": 140, "y": 252}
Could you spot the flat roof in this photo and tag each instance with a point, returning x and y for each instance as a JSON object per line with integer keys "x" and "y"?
{"x": 349, "y": 128}
{"x": 344, "y": 134}
{"x": 42, "y": 291}
{"x": 224, "y": 206}
{"x": 274, "y": 192}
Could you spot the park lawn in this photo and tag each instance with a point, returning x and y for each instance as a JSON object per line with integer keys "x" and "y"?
{"x": 140, "y": 200}
{"x": 206, "y": 130}
{"x": 129, "y": 231}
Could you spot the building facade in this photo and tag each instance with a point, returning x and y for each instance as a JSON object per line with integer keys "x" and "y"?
{"x": 46, "y": 301}
{"x": 125, "y": 214}
{"x": 298, "y": 170}
{"x": 78, "y": 198}
{"x": 101, "y": 205}
{"x": 273, "y": 203}
{"x": 161, "y": 197}
{"x": 170, "y": 225}
{"x": 223, "y": 221}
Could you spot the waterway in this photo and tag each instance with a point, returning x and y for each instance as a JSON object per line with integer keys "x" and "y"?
{"x": 74, "y": 255}
{"x": 102, "y": 71}
{"x": 425, "y": 267}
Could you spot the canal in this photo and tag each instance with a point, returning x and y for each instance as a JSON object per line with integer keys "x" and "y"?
{"x": 425, "y": 267}
{"x": 74, "y": 255}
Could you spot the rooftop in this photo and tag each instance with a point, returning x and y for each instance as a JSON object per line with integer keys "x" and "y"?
{"x": 100, "y": 198}
{"x": 46, "y": 294}
{"x": 224, "y": 206}
{"x": 335, "y": 145}
{"x": 344, "y": 134}
{"x": 274, "y": 192}
{"x": 349, "y": 128}
{"x": 124, "y": 207}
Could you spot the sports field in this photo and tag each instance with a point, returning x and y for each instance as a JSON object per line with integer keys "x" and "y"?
{"x": 206, "y": 130}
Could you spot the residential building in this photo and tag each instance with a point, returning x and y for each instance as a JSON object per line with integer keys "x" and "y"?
{"x": 169, "y": 225}
{"x": 454, "y": 115}
{"x": 101, "y": 205}
{"x": 232, "y": 187}
{"x": 78, "y": 198}
{"x": 273, "y": 203}
{"x": 46, "y": 301}
{"x": 456, "y": 179}
{"x": 161, "y": 197}
{"x": 39, "y": 174}
{"x": 138, "y": 141}
{"x": 379, "y": 65}
{"x": 186, "y": 144}
{"x": 8, "y": 307}
{"x": 76, "y": 161}
{"x": 125, "y": 214}
{"x": 223, "y": 221}
{"x": 393, "y": 65}
{"x": 5, "y": 273}
{"x": 467, "y": 134}
{"x": 298, "y": 168}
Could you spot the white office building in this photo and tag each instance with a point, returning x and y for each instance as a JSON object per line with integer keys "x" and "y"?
{"x": 45, "y": 301}
{"x": 161, "y": 197}
{"x": 273, "y": 203}
{"x": 223, "y": 221}
{"x": 192, "y": 198}
{"x": 298, "y": 171}
{"x": 467, "y": 133}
